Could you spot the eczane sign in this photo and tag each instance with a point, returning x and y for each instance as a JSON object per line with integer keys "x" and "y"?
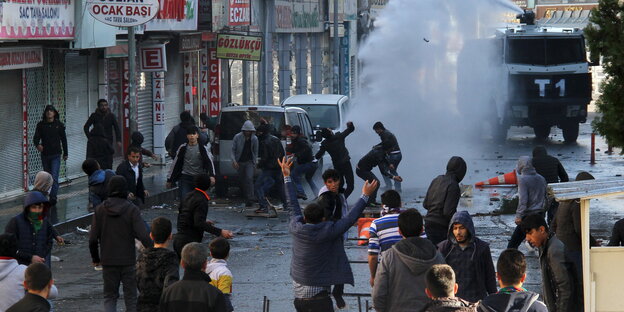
{"x": 123, "y": 13}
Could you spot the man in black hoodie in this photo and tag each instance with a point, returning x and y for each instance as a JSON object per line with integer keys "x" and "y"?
{"x": 511, "y": 273}
{"x": 100, "y": 148}
{"x": 364, "y": 170}
{"x": 49, "y": 138}
{"x": 469, "y": 257}
{"x": 116, "y": 223}
{"x": 104, "y": 117}
{"x": 442, "y": 199}
{"x": 270, "y": 149}
{"x": 552, "y": 170}
{"x": 390, "y": 145}
{"x": 334, "y": 144}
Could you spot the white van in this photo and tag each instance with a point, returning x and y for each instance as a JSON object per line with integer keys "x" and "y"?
{"x": 231, "y": 120}
{"x": 324, "y": 110}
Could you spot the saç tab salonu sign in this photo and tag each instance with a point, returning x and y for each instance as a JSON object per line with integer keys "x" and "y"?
{"x": 123, "y": 13}
{"x": 246, "y": 48}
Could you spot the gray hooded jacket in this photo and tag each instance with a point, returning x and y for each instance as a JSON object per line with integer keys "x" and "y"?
{"x": 531, "y": 189}
{"x": 400, "y": 279}
{"x": 238, "y": 143}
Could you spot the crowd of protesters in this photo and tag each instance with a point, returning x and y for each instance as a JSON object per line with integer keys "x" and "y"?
{"x": 431, "y": 263}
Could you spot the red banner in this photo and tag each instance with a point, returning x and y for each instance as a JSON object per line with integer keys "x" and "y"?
{"x": 239, "y": 14}
{"x": 188, "y": 83}
{"x": 203, "y": 79}
{"x": 214, "y": 82}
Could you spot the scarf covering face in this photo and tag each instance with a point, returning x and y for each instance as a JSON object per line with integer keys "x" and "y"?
{"x": 386, "y": 210}
{"x": 36, "y": 218}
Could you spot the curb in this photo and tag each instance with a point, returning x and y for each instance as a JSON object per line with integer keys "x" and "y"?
{"x": 69, "y": 226}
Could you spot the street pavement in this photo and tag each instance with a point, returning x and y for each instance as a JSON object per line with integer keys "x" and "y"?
{"x": 261, "y": 249}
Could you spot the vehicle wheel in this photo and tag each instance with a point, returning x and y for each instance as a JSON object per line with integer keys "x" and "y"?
{"x": 221, "y": 188}
{"x": 541, "y": 132}
{"x": 570, "y": 132}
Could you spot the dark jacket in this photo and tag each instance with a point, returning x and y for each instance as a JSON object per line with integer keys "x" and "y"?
{"x": 177, "y": 137}
{"x": 51, "y": 135}
{"x": 400, "y": 279}
{"x": 519, "y": 301}
{"x": 375, "y": 157}
{"x": 157, "y": 269}
{"x": 617, "y": 235}
{"x": 302, "y": 149}
{"x": 136, "y": 140}
{"x": 269, "y": 151}
{"x": 443, "y": 193}
{"x": 389, "y": 142}
{"x": 178, "y": 162}
{"x": 192, "y": 293}
{"x": 108, "y": 122}
{"x": 116, "y": 223}
{"x": 557, "y": 278}
{"x": 29, "y": 242}
{"x": 548, "y": 166}
{"x": 192, "y": 217}
{"x": 450, "y": 305}
{"x": 334, "y": 205}
{"x": 30, "y": 303}
{"x": 319, "y": 258}
{"x": 98, "y": 182}
{"x": 473, "y": 265}
{"x": 334, "y": 144}
{"x": 135, "y": 186}
{"x": 100, "y": 148}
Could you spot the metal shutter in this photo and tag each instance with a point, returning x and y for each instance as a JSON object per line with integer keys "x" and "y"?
{"x": 76, "y": 111}
{"x": 174, "y": 89}
{"x": 145, "y": 112}
{"x": 11, "y": 131}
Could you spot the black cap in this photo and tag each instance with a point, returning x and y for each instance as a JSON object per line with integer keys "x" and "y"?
{"x": 117, "y": 187}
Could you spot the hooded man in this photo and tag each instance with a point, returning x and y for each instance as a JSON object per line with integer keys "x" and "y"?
{"x": 270, "y": 150}
{"x": 177, "y": 135}
{"x": 116, "y": 224}
{"x": 104, "y": 117}
{"x": 364, "y": 170}
{"x": 470, "y": 258}
{"x": 43, "y": 183}
{"x": 244, "y": 159}
{"x": 400, "y": 278}
{"x": 390, "y": 145}
{"x": 136, "y": 140}
{"x": 51, "y": 141}
{"x": 334, "y": 144}
{"x": 552, "y": 170}
{"x": 442, "y": 199}
{"x": 306, "y": 164}
{"x": 98, "y": 182}
{"x": 100, "y": 148}
{"x": 531, "y": 197}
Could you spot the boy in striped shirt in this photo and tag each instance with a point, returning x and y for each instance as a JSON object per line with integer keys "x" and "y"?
{"x": 384, "y": 231}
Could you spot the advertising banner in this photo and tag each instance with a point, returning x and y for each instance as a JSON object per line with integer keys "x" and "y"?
{"x": 246, "y": 48}
{"x": 203, "y": 79}
{"x": 158, "y": 102}
{"x": 123, "y": 14}
{"x": 347, "y": 10}
{"x": 20, "y": 57}
{"x": 298, "y": 16}
{"x": 188, "y": 83}
{"x": 37, "y": 19}
{"x": 153, "y": 58}
{"x": 190, "y": 42}
{"x": 239, "y": 13}
{"x": 204, "y": 21}
{"x": 174, "y": 15}
{"x": 214, "y": 83}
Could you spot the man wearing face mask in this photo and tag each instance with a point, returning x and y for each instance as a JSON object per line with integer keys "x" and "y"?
{"x": 107, "y": 119}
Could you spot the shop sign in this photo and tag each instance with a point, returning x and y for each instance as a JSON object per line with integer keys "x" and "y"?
{"x": 298, "y": 16}
{"x": 153, "y": 58}
{"x": 190, "y": 43}
{"x": 158, "y": 98}
{"x": 37, "y": 19}
{"x": 547, "y": 11}
{"x": 125, "y": 13}
{"x": 347, "y": 10}
{"x": 188, "y": 83}
{"x": 204, "y": 22}
{"x": 20, "y": 57}
{"x": 239, "y": 13}
{"x": 203, "y": 79}
{"x": 174, "y": 15}
{"x": 246, "y": 48}
{"x": 214, "y": 83}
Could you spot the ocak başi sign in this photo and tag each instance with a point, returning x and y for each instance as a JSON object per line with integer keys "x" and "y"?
{"x": 123, "y": 13}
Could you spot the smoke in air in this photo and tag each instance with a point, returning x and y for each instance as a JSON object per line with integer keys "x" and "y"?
{"x": 410, "y": 66}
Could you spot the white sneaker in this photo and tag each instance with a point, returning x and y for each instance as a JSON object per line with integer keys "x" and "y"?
{"x": 55, "y": 259}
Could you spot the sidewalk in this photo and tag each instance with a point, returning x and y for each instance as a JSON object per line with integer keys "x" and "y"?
{"x": 73, "y": 198}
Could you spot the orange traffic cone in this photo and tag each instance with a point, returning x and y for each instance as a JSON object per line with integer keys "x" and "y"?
{"x": 363, "y": 230}
{"x": 507, "y": 178}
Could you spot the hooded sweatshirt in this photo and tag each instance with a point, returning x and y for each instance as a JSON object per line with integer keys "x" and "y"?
{"x": 98, "y": 181}
{"x": 531, "y": 189}
{"x": 334, "y": 144}
{"x": 472, "y": 264}
{"x": 43, "y": 182}
{"x": 99, "y": 148}
{"x": 444, "y": 193}
{"x": 157, "y": 268}
{"x": 548, "y": 166}
{"x": 400, "y": 279}
{"x": 525, "y": 301}
{"x": 51, "y": 135}
{"x": 334, "y": 205}
{"x": 137, "y": 140}
{"x": 12, "y": 283}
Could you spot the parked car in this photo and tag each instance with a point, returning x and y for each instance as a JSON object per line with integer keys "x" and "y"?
{"x": 325, "y": 110}
{"x": 231, "y": 120}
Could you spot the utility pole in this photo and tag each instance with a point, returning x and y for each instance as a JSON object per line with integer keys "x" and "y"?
{"x": 337, "y": 79}
{"x": 132, "y": 79}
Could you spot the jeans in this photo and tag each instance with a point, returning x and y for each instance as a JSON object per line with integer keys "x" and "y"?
{"x": 346, "y": 176}
{"x": 245, "y": 174}
{"x": 575, "y": 260}
{"x": 552, "y": 212}
{"x": 307, "y": 170}
{"x": 319, "y": 303}
{"x": 368, "y": 176}
{"x": 185, "y": 185}
{"x": 266, "y": 180}
{"x": 113, "y": 275}
{"x": 436, "y": 232}
{"x": 52, "y": 165}
{"x": 395, "y": 160}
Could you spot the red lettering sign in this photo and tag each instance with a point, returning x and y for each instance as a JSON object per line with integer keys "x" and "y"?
{"x": 214, "y": 83}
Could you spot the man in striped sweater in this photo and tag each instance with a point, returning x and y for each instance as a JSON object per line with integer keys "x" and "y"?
{"x": 384, "y": 231}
